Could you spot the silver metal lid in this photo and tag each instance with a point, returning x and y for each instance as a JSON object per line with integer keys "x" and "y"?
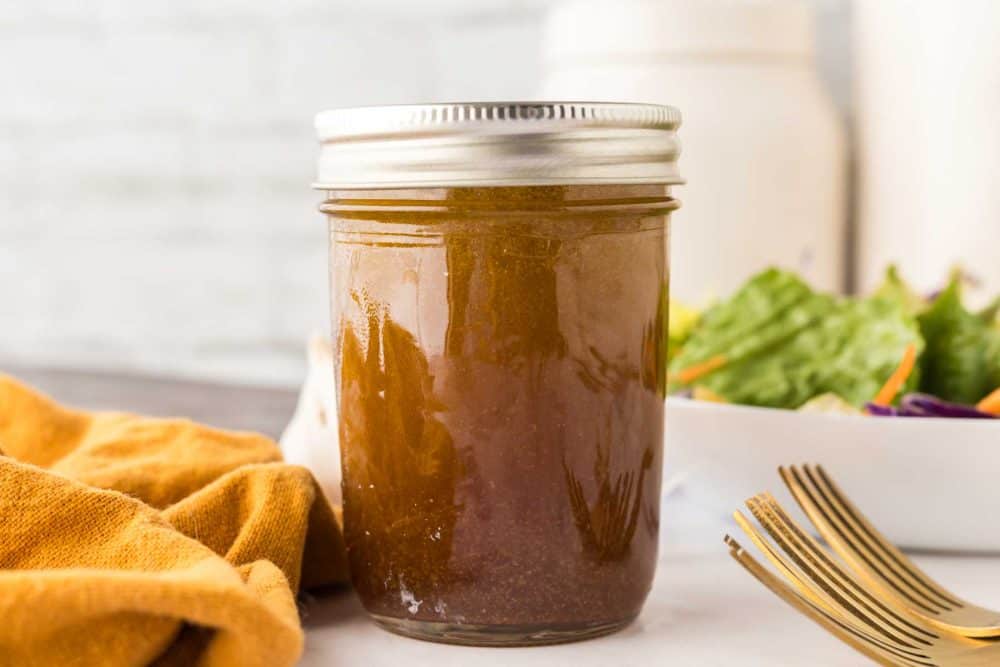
{"x": 496, "y": 144}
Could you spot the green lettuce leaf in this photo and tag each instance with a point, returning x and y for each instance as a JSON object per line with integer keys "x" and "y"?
{"x": 962, "y": 363}
{"x": 770, "y": 308}
{"x": 786, "y": 344}
{"x": 989, "y": 314}
{"x": 896, "y": 289}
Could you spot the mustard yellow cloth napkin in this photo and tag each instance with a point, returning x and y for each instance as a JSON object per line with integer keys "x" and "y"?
{"x": 127, "y": 540}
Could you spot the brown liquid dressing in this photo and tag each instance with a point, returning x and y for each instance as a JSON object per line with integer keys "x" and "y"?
{"x": 500, "y": 374}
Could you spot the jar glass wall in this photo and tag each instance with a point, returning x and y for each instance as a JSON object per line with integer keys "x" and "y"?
{"x": 500, "y": 367}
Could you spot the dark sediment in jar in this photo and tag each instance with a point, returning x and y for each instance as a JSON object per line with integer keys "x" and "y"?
{"x": 500, "y": 373}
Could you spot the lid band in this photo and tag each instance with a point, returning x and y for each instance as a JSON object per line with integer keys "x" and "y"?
{"x": 497, "y": 143}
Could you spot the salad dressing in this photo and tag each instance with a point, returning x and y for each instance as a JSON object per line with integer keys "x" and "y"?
{"x": 500, "y": 367}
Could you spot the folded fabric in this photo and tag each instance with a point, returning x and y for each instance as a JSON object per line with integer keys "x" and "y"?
{"x": 127, "y": 540}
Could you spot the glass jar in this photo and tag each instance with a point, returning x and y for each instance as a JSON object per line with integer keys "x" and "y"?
{"x": 500, "y": 355}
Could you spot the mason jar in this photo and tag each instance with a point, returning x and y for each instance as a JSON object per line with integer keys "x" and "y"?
{"x": 499, "y": 279}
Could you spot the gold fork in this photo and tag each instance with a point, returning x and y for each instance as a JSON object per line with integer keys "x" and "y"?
{"x": 822, "y": 590}
{"x": 877, "y": 562}
{"x": 837, "y": 623}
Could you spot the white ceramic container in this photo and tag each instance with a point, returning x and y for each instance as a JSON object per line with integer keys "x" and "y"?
{"x": 925, "y": 483}
{"x": 763, "y": 146}
{"x": 928, "y": 90}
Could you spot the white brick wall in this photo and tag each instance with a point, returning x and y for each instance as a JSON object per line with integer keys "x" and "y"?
{"x": 155, "y": 158}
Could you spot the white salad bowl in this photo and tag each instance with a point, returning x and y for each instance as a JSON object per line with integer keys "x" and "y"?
{"x": 926, "y": 483}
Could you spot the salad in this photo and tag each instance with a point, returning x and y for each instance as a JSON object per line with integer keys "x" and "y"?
{"x": 778, "y": 343}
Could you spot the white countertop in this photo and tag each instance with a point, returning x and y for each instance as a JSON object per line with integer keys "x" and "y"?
{"x": 704, "y": 610}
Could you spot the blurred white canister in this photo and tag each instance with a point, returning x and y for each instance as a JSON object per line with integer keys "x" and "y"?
{"x": 763, "y": 146}
{"x": 928, "y": 88}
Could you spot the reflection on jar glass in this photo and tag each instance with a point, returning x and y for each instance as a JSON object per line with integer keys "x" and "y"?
{"x": 500, "y": 365}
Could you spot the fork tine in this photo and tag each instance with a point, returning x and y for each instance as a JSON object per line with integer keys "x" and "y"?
{"x": 804, "y": 586}
{"x": 879, "y": 566}
{"x": 831, "y": 524}
{"x": 874, "y": 537}
{"x": 864, "y": 643}
{"x": 818, "y": 597}
{"x": 834, "y": 582}
{"x": 808, "y": 593}
{"x": 821, "y": 562}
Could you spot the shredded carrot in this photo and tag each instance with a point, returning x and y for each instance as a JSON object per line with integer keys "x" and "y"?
{"x": 990, "y": 404}
{"x": 898, "y": 378}
{"x": 701, "y": 369}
